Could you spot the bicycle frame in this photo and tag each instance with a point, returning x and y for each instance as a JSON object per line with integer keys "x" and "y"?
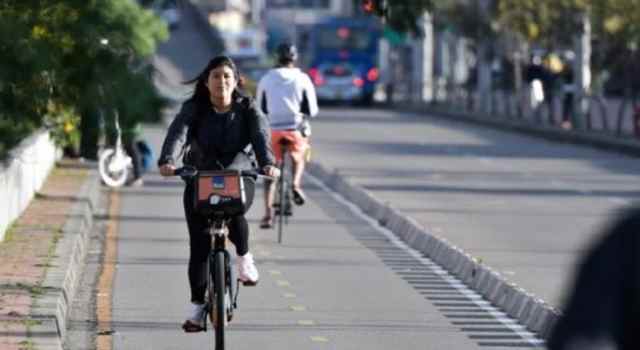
{"x": 222, "y": 295}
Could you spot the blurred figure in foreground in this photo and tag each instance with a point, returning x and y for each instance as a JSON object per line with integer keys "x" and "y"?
{"x": 603, "y": 311}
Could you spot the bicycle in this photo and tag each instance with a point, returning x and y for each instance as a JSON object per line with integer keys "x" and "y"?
{"x": 283, "y": 190}
{"x": 220, "y": 195}
{"x": 115, "y": 163}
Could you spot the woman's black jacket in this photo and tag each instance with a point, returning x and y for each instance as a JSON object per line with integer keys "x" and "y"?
{"x": 244, "y": 127}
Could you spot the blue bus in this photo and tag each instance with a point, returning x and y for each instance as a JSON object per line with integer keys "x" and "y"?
{"x": 343, "y": 59}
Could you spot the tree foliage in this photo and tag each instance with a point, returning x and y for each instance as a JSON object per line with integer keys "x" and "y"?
{"x": 547, "y": 22}
{"x": 70, "y": 54}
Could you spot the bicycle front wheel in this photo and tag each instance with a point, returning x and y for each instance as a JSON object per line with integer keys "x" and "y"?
{"x": 218, "y": 314}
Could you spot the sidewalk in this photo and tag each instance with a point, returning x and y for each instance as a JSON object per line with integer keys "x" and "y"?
{"x": 36, "y": 249}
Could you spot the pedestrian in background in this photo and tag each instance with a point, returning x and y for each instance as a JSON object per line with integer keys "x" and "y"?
{"x": 568, "y": 89}
{"x": 536, "y": 76}
{"x": 131, "y": 135}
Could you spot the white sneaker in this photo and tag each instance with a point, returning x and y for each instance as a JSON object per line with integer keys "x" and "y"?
{"x": 195, "y": 316}
{"x": 196, "y": 312}
{"x": 247, "y": 271}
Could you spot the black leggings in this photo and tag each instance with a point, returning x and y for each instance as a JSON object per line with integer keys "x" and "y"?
{"x": 200, "y": 242}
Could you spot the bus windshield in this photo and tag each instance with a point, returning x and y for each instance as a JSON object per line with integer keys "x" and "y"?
{"x": 344, "y": 38}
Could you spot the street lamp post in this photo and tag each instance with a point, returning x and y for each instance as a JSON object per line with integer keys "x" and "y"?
{"x": 582, "y": 72}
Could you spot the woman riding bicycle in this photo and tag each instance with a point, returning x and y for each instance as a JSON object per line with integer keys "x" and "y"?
{"x": 216, "y": 127}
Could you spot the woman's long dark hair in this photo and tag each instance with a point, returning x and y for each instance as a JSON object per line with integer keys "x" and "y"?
{"x": 201, "y": 93}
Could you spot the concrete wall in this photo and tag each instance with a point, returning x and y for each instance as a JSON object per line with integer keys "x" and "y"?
{"x": 23, "y": 174}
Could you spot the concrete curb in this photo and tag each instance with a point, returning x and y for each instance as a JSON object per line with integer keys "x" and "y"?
{"x": 537, "y": 316}
{"x": 61, "y": 279}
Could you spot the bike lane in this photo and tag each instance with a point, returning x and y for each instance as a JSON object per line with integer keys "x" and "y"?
{"x": 336, "y": 282}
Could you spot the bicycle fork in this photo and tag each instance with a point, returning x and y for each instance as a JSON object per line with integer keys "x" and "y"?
{"x": 218, "y": 242}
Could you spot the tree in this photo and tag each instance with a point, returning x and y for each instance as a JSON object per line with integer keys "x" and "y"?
{"x": 400, "y": 15}
{"x": 56, "y": 53}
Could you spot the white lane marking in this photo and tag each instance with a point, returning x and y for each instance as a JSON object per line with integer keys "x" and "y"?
{"x": 455, "y": 282}
{"x": 619, "y": 201}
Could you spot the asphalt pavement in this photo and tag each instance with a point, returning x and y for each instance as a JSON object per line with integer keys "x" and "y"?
{"x": 338, "y": 281}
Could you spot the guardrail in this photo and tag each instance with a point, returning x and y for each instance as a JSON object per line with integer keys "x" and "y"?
{"x": 23, "y": 174}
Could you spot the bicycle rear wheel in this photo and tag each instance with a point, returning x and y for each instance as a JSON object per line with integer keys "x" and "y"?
{"x": 218, "y": 314}
{"x": 282, "y": 188}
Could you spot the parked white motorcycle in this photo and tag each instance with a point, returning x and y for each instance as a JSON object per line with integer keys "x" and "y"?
{"x": 114, "y": 164}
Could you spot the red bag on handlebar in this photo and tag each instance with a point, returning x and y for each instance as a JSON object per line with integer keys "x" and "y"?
{"x": 221, "y": 193}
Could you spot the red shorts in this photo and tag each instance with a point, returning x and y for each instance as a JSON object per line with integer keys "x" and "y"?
{"x": 298, "y": 143}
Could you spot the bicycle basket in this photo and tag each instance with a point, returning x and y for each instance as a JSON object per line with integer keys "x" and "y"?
{"x": 220, "y": 193}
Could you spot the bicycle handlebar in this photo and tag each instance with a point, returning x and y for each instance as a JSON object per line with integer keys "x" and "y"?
{"x": 188, "y": 172}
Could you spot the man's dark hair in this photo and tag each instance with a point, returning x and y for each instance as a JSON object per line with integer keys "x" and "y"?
{"x": 287, "y": 53}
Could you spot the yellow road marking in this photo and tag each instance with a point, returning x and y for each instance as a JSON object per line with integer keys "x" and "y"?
{"x": 319, "y": 339}
{"x": 283, "y": 283}
{"x": 298, "y": 307}
{"x": 306, "y": 322}
{"x": 275, "y": 272}
{"x": 105, "y": 283}
{"x": 289, "y": 295}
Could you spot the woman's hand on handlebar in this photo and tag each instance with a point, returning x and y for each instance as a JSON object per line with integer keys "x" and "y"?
{"x": 271, "y": 170}
{"x": 167, "y": 170}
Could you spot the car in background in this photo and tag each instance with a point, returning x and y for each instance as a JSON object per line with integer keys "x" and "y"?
{"x": 342, "y": 81}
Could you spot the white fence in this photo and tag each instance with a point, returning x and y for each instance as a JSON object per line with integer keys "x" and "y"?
{"x": 23, "y": 174}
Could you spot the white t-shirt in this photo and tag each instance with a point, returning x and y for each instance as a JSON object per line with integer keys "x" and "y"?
{"x": 284, "y": 95}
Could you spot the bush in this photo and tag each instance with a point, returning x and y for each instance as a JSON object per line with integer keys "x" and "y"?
{"x": 11, "y": 133}
{"x": 63, "y": 123}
